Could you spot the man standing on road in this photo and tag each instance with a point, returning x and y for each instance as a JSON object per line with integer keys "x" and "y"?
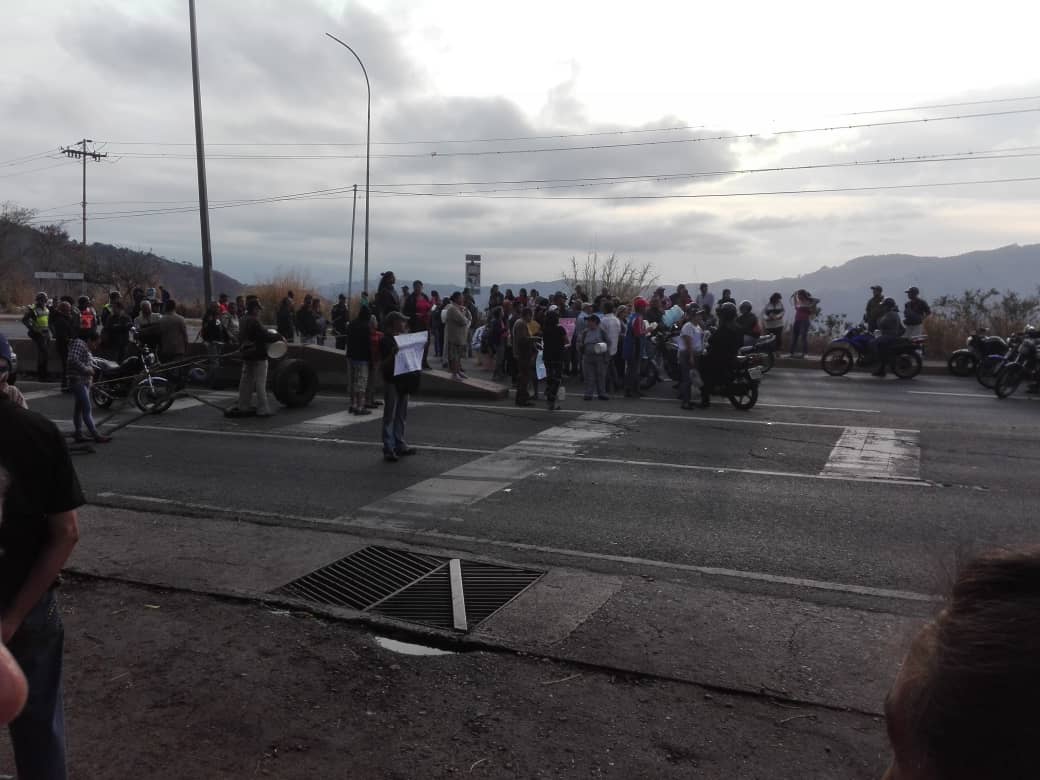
{"x": 284, "y": 317}
{"x": 340, "y": 321}
{"x": 523, "y": 352}
{"x": 457, "y": 321}
{"x": 690, "y": 344}
{"x": 173, "y": 333}
{"x": 64, "y": 330}
{"x": 635, "y": 335}
{"x": 891, "y": 329}
{"x": 38, "y": 532}
{"x": 914, "y": 312}
{"x": 875, "y": 308}
{"x": 396, "y": 390}
{"x": 254, "y": 338}
{"x": 37, "y": 321}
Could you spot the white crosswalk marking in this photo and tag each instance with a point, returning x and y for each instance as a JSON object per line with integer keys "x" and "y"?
{"x": 881, "y": 453}
{"x": 331, "y": 422}
{"x": 480, "y": 478}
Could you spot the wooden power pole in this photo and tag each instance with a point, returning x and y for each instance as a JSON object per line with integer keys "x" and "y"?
{"x": 83, "y": 154}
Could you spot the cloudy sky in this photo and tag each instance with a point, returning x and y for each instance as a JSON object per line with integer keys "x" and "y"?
{"x": 531, "y": 132}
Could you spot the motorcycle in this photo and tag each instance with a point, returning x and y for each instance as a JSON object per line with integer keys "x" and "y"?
{"x": 965, "y": 361}
{"x": 858, "y": 347}
{"x": 663, "y": 356}
{"x": 1024, "y": 365}
{"x": 741, "y": 386}
{"x": 133, "y": 378}
{"x": 990, "y": 365}
{"x": 763, "y": 345}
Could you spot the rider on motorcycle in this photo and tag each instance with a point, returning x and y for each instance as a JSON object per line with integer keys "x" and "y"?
{"x": 891, "y": 327}
{"x": 723, "y": 347}
{"x": 747, "y": 323}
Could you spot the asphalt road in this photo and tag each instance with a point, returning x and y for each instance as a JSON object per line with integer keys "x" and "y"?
{"x": 752, "y": 493}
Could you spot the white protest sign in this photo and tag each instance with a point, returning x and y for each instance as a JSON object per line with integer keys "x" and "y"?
{"x": 409, "y": 352}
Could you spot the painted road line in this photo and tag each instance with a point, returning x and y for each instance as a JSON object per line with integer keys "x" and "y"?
{"x": 474, "y": 481}
{"x": 36, "y": 395}
{"x": 692, "y": 417}
{"x": 991, "y": 396}
{"x": 875, "y": 453}
{"x": 347, "y": 523}
{"x": 501, "y": 457}
{"x": 785, "y": 406}
{"x": 330, "y": 422}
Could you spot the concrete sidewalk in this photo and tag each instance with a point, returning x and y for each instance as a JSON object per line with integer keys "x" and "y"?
{"x": 661, "y": 625}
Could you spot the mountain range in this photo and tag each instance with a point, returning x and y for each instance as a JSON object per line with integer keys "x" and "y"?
{"x": 845, "y": 288}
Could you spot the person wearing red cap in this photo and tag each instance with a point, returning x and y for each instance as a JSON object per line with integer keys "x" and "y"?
{"x": 634, "y": 346}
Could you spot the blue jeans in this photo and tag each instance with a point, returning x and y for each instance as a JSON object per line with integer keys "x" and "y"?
{"x": 395, "y": 413}
{"x": 38, "y": 733}
{"x": 81, "y": 412}
{"x": 800, "y": 331}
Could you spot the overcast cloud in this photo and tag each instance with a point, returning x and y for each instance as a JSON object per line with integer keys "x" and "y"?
{"x": 119, "y": 72}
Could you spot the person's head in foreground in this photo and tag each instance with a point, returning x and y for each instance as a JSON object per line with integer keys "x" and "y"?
{"x": 964, "y": 705}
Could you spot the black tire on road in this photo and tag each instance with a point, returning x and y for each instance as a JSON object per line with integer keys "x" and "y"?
{"x": 154, "y": 396}
{"x": 295, "y": 383}
{"x": 906, "y": 365}
{"x": 650, "y": 376}
{"x": 962, "y": 363}
{"x": 837, "y": 361}
{"x": 1008, "y": 379}
{"x": 745, "y": 398}
{"x": 986, "y": 373}
{"x": 100, "y": 397}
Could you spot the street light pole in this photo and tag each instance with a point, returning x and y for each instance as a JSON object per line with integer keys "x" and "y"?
{"x": 368, "y": 146}
{"x": 350, "y": 273}
{"x": 200, "y": 159}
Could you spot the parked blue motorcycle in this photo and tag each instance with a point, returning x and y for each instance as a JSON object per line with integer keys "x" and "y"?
{"x": 859, "y": 348}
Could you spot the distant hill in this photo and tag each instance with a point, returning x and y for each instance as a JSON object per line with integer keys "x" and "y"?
{"x": 844, "y": 289}
{"x": 25, "y": 249}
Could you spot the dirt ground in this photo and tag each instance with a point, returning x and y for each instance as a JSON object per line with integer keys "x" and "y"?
{"x": 173, "y": 685}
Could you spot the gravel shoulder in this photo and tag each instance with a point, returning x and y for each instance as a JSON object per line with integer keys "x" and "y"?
{"x": 165, "y": 684}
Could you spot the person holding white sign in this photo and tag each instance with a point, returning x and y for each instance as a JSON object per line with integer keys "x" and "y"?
{"x": 402, "y": 369}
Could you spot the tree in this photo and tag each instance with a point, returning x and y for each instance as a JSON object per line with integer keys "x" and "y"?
{"x": 128, "y": 269}
{"x": 623, "y": 279}
{"x": 50, "y": 240}
{"x": 972, "y": 308}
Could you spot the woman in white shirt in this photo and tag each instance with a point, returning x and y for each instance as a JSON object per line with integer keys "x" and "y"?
{"x": 690, "y": 344}
{"x": 773, "y": 319}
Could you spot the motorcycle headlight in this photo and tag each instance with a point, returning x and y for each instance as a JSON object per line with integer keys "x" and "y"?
{"x": 968, "y": 341}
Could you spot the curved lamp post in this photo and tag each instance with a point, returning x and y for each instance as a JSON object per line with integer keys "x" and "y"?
{"x": 368, "y": 146}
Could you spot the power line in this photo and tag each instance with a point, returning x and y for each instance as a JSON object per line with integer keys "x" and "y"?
{"x": 25, "y": 158}
{"x": 674, "y": 196}
{"x": 31, "y": 170}
{"x": 658, "y": 142}
{"x": 872, "y": 188}
{"x": 505, "y": 139}
{"x": 944, "y": 105}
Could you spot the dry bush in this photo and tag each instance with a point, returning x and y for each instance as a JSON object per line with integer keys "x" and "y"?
{"x": 272, "y": 289}
{"x": 622, "y": 278}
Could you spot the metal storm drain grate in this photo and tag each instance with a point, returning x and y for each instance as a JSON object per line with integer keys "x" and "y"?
{"x": 440, "y": 592}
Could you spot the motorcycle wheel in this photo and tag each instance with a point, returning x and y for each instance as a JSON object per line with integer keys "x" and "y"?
{"x": 906, "y": 365}
{"x": 1008, "y": 379}
{"x": 768, "y": 361}
{"x": 155, "y": 398}
{"x": 100, "y": 397}
{"x": 743, "y": 396}
{"x": 837, "y": 361}
{"x": 986, "y": 373}
{"x": 962, "y": 363}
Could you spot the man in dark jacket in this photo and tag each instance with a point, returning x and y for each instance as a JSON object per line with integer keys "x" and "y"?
{"x": 875, "y": 308}
{"x": 284, "y": 317}
{"x": 254, "y": 338}
{"x": 306, "y": 323}
{"x": 116, "y": 334}
{"x": 340, "y": 316}
{"x": 891, "y": 330}
{"x": 64, "y": 330}
{"x": 396, "y": 391}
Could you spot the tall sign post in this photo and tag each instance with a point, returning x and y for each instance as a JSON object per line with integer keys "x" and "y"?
{"x": 473, "y": 274}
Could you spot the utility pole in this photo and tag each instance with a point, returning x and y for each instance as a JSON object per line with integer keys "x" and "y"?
{"x": 83, "y": 154}
{"x": 350, "y": 273}
{"x": 200, "y": 155}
